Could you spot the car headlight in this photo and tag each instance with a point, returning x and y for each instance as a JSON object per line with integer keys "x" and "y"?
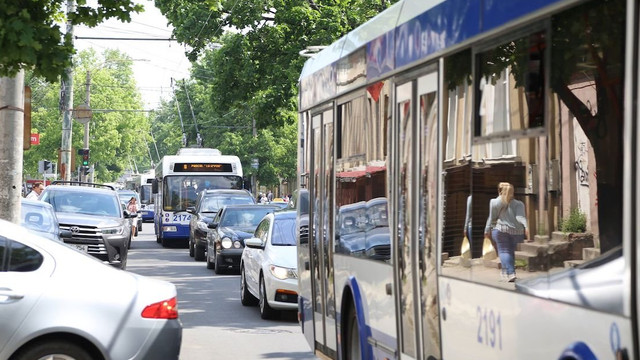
{"x": 237, "y": 244}
{"x": 226, "y": 243}
{"x": 202, "y": 226}
{"x": 113, "y": 231}
{"x": 282, "y": 273}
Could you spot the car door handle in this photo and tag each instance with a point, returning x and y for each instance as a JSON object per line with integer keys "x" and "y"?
{"x": 7, "y": 295}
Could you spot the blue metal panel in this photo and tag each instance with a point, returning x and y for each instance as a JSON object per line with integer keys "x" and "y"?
{"x": 500, "y": 12}
{"x": 446, "y": 24}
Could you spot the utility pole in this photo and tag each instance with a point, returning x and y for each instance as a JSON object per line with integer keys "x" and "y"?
{"x": 11, "y": 140}
{"x": 67, "y": 105}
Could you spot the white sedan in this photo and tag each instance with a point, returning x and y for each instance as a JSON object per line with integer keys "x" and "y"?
{"x": 59, "y": 303}
{"x": 268, "y": 267}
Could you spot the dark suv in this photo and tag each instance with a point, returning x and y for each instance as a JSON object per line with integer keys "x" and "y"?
{"x": 92, "y": 212}
{"x": 207, "y": 205}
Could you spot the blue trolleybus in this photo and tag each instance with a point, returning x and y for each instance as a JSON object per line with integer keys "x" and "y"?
{"x": 471, "y": 168}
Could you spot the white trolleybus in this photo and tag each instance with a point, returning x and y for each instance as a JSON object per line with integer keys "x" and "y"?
{"x": 410, "y": 126}
{"x": 179, "y": 180}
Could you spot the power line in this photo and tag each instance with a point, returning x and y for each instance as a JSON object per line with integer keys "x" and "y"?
{"x": 122, "y": 38}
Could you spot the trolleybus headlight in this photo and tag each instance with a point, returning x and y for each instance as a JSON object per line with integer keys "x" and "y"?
{"x": 226, "y": 243}
{"x": 282, "y": 273}
{"x": 169, "y": 228}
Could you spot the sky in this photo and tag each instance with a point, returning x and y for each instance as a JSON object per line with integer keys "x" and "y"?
{"x": 155, "y": 62}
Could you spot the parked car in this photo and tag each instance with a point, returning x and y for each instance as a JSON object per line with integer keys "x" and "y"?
{"x": 231, "y": 225}
{"x": 207, "y": 205}
{"x": 94, "y": 215}
{"x": 268, "y": 268}
{"x": 58, "y": 303}
{"x": 125, "y": 196}
{"x": 39, "y": 217}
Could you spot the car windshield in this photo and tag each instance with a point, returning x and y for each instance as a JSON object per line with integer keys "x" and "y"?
{"x": 145, "y": 194}
{"x": 180, "y": 192}
{"x": 244, "y": 218}
{"x": 38, "y": 218}
{"x": 284, "y": 232}
{"x": 90, "y": 203}
{"x": 214, "y": 203}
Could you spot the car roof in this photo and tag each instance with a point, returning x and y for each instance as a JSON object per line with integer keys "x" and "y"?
{"x": 35, "y": 203}
{"x": 227, "y": 191}
{"x": 249, "y": 206}
{"x": 79, "y": 189}
{"x": 285, "y": 214}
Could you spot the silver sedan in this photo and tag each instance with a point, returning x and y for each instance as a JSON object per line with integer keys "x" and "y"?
{"x": 56, "y": 302}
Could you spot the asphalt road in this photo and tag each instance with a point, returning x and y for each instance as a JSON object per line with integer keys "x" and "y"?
{"x": 215, "y": 324}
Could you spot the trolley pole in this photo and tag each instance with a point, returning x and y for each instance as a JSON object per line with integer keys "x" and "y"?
{"x": 67, "y": 105}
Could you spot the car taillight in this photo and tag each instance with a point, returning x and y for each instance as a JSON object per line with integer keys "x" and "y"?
{"x": 166, "y": 309}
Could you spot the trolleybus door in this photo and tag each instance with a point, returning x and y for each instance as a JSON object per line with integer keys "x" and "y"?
{"x": 321, "y": 230}
{"x": 415, "y": 251}
{"x": 427, "y": 120}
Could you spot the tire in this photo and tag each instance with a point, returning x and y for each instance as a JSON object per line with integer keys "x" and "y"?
{"x": 199, "y": 253}
{"x": 352, "y": 342}
{"x": 266, "y": 311}
{"x": 53, "y": 349}
{"x": 246, "y": 297}
{"x": 164, "y": 242}
{"x": 191, "y": 251}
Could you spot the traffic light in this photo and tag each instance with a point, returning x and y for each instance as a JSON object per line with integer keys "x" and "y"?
{"x": 85, "y": 156}
{"x": 47, "y": 166}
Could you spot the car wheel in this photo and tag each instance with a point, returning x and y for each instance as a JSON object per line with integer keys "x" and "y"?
{"x": 191, "y": 252}
{"x": 352, "y": 342}
{"x": 246, "y": 297}
{"x": 53, "y": 349}
{"x": 266, "y": 311}
{"x": 199, "y": 253}
{"x": 164, "y": 242}
{"x": 209, "y": 262}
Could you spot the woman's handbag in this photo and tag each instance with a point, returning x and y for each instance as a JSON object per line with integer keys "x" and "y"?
{"x": 488, "y": 251}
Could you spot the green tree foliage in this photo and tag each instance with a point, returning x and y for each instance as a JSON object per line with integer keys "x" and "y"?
{"x": 253, "y": 76}
{"x": 31, "y": 36}
{"x": 117, "y": 138}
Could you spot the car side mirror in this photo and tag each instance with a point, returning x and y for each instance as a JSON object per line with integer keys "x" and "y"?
{"x": 212, "y": 225}
{"x": 191, "y": 209}
{"x": 253, "y": 243}
{"x": 66, "y": 234}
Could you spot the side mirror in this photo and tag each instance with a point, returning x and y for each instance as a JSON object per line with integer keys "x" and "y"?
{"x": 191, "y": 210}
{"x": 212, "y": 225}
{"x": 154, "y": 186}
{"x": 66, "y": 234}
{"x": 253, "y": 243}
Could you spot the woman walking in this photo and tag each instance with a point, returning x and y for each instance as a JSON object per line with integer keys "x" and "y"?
{"x": 507, "y": 224}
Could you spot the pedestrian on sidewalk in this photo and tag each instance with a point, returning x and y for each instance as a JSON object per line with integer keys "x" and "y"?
{"x": 36, "y": 190}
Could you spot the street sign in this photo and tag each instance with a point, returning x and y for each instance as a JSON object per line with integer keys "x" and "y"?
{"x": 82, "y": 113}
{"x": 35, "y": 139}
{"x": 255, "y": 163}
